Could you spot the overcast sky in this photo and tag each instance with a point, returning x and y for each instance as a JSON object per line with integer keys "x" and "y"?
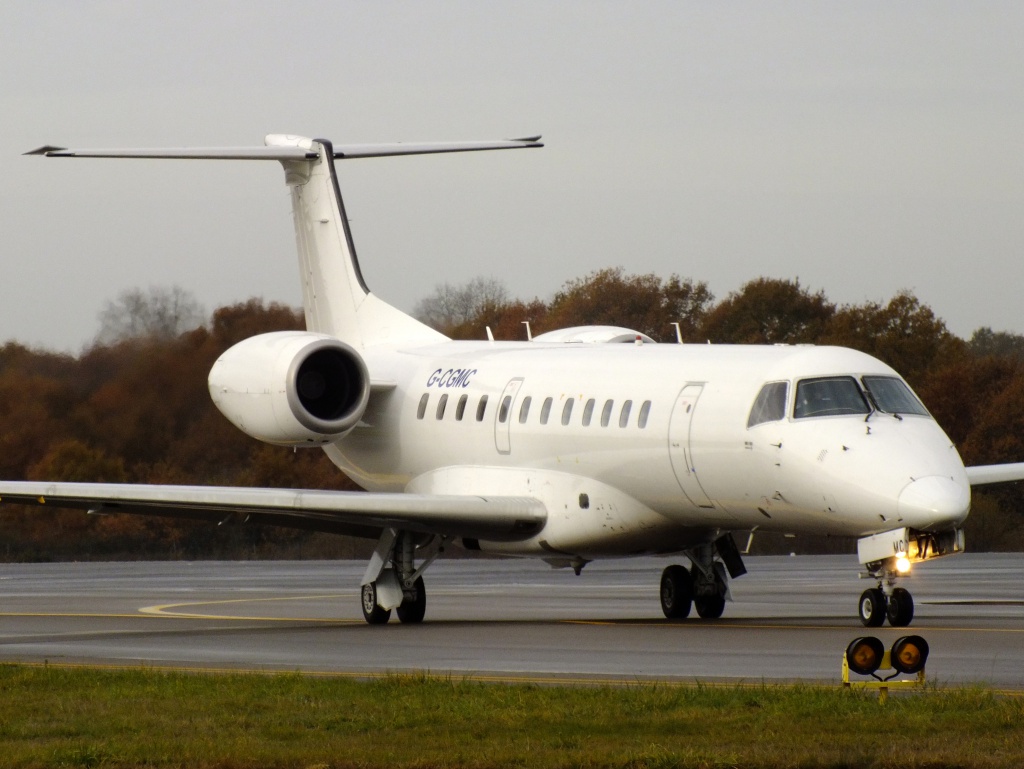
{"x": 863, "y": 148}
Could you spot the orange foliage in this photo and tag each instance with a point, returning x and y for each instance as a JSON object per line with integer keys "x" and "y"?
{"x": 139, "y": 411}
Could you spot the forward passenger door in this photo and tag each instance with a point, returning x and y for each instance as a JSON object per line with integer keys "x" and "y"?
{"x": 683, "y": 462}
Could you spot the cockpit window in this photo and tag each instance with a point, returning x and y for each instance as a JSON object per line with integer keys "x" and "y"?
{"x": 892, "y": 396}
{"x": 770, "y": 405}
{"x": 829, "y": 397}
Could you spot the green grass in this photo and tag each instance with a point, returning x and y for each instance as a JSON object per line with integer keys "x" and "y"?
{"x": 53, "y": 716}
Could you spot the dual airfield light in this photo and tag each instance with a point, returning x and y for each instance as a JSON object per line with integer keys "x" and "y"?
{"x": 867, "y": 655}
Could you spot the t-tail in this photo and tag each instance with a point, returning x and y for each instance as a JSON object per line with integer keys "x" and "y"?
{"x": 335, "y": 297}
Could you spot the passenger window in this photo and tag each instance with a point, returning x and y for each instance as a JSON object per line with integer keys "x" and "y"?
{"x": 892, "y": 396}
{"x": 422, "y": 409}
{"x": 481, "y": 408}
{"x": 567, "y": 412}
{"x": 645, "y": 411}
{"x": 606, "y": 412}
{"x": 441, "y": 404}
{"x": 588, "y": 412}
{"x": 770, "y": 404}
{"x": 460, "y": 409}
{"x": 829, "y": 397}
{"x": 624, "y": 416}
{"x": 545, "y": 411}
{"x": 506, "y": 402}
{"x": 524, "y": 410}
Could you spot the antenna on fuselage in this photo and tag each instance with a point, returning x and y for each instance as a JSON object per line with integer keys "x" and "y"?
{"x": 529, "y": 334}
{"x": 679, "y": 333}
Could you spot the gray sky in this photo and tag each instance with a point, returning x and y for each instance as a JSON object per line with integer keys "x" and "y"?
{"x": 862, "y": 147}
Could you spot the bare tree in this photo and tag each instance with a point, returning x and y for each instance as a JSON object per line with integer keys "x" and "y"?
{"x": 985, "y": 341}
{"x": 160, "y": 313}
{"x": 451, "y": 305}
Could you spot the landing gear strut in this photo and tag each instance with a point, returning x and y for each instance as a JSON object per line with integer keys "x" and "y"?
{"x": 392, "y": 580}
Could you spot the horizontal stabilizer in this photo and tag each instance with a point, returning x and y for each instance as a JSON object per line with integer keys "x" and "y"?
{"x": 385, "y": 150}
{"x": 493, "y": 518}
{"x": 188, "y": 153}
{"x": 285, "y": 152}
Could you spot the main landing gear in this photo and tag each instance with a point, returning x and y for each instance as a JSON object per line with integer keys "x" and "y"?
{"x": 392, "y": 580}
{"x": 705, "y": 586}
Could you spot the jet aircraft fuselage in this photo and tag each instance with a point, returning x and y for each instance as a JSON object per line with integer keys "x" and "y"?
{"x": 578, "y": 444}
{"x": 637, "y": 447}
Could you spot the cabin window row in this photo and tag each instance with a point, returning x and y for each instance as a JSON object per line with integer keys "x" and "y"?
{"x": 460, "y": 407}
{"x": 606, "y": 417}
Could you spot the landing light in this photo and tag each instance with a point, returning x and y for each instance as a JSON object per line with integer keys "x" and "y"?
{"x": 902, "y": 563}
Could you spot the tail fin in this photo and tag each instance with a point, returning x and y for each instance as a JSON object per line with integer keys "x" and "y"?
{"x": 335, "y": 296}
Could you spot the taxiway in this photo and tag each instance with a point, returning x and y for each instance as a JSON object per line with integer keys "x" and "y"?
{"x": 791, "y": 620}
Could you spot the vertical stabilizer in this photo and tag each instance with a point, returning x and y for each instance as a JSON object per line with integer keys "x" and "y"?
{"x": 334, "y": 294}
{"x": 335, "y": 297}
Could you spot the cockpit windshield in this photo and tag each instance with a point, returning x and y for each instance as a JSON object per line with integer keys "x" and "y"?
{"x": 770, "y": 405}
{"x": 828, "y": 397}
{"x": 892, "y": 396}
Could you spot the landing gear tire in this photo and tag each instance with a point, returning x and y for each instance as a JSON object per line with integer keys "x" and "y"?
{"x": 373, "y": 613}
{"x": 676, "y": 592}
{"x": 411, "y": 610}
{"x": 901, "y": 608}
{"x": 872, "y": 607}
{"x": 710, "y": 606}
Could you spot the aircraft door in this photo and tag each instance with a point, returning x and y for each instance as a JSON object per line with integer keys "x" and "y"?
{"x": 503, "y": 416}
{"x": 679, "y": 448}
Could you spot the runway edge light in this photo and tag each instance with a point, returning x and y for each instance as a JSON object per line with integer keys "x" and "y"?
{"x": 866, "y": 656}
{"x": 909, "y": 654}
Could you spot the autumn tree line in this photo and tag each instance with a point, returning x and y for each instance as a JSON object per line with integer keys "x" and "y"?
{"x": 133, "y": 407}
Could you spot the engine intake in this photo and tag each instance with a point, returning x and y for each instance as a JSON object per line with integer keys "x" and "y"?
{"x": 291, "y": 388}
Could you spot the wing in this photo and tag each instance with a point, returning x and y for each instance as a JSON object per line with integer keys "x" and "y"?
{"x": 982, "y": 474}
{"x": 341, "y": 512}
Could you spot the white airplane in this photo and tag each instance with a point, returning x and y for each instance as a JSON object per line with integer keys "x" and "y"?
{"x": 569, "y": 447}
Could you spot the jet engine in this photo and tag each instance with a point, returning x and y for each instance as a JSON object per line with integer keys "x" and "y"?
{"x": 291, "y": 388}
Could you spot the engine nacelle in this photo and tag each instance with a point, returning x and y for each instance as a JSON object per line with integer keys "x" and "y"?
{"x": 291, "y": 388}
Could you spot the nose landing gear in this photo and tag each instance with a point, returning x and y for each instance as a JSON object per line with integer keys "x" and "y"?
{"x": 877, "y": 605}
{"x": 888, "y": 556}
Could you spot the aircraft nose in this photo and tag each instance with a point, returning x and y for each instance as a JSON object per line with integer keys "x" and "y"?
{"x": 934, "y": 500}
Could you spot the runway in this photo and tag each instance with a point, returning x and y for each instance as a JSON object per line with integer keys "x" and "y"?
{"x": 499, "y": 620}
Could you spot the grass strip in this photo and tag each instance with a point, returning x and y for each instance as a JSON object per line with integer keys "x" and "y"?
{"x": 62, "y": 717}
